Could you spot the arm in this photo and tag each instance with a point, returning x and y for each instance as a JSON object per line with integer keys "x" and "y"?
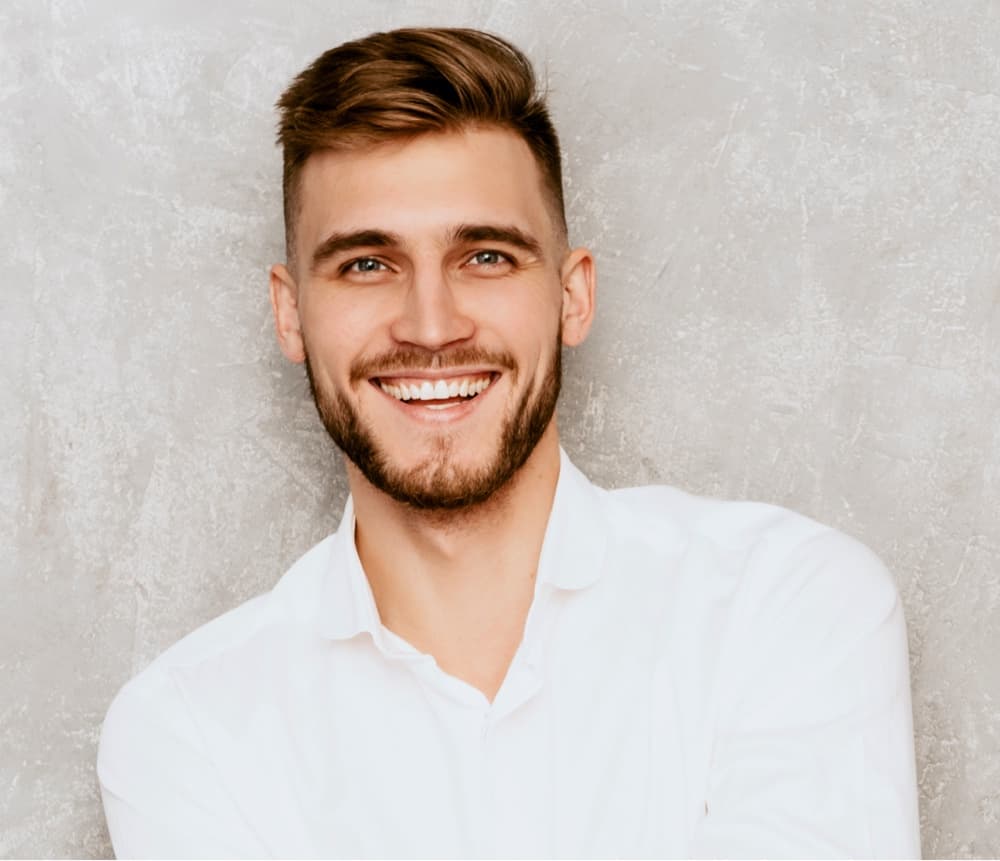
{"x": 162, "y": 795}
{"x": 813, "y": 743}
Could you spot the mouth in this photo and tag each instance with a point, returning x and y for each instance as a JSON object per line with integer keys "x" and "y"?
{"x": 438, "y": 393}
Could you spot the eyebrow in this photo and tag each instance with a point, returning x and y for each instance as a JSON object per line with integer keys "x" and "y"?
{"x": 337, "y": 243}
{"x": 506, "y": 233}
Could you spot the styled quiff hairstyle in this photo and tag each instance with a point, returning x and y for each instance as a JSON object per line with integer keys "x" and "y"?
{"x": 396, "y": 85}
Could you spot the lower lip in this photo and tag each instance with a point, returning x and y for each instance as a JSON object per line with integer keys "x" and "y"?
{"x": 438, "y": 413}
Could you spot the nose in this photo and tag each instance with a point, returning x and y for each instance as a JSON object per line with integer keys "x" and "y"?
{"x": 431, "y": 316}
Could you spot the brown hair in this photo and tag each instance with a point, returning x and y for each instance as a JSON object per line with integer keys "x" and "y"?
{"x": 407, "y": 82}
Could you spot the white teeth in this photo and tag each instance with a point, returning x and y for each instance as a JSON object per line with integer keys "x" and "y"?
{"x": 436, "y": 391}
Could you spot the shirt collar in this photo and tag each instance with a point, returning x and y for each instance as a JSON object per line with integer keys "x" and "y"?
{"x": 572, "y": 556}
{"x": 347, "y": 605}
{"x": 576, "y": 535}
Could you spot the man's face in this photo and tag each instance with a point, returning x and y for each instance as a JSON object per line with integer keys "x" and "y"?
{"x": 428, "y": 302}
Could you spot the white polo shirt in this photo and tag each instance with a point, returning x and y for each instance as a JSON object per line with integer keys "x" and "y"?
{"x": 696, "y": 678}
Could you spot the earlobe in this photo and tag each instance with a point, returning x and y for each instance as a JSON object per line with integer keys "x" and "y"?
{"x": 285, "y": 305}
{"x": 579, "y": 283}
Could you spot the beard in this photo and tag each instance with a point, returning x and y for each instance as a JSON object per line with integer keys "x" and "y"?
{"x": 438, "y": 483}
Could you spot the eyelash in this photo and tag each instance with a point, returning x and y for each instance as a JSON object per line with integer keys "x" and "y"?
{"x": 351, "y": 266}
{"x": 504, "y": 258}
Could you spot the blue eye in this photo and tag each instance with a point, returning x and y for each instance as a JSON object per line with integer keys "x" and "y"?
{"x": 365, "y": 264}
{"x": 488, "y": 258}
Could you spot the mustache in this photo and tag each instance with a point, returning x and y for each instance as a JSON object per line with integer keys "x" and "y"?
{"x": 415, "y": 359}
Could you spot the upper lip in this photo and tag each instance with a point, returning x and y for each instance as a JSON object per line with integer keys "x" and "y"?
{"x": 437, "y": 374}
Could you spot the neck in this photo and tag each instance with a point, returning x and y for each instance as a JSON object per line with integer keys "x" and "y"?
{"x": 444, "y": 578}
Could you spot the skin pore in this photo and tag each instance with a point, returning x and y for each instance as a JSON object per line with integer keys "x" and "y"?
{"x": 431, "y": 294}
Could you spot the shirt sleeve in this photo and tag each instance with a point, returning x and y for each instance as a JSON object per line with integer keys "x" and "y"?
{"x": 162, "y": 796}
{"x": 812, "y": 752}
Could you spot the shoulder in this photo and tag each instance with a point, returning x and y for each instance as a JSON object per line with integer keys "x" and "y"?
{"x": 783, "y": 594}
{"x": 154, "y": 703}
{"x": 729, "y": 522}
{"x": 809, "y": 622}
{"x": 291, "y": 600}
{"x": 774, "y": 546}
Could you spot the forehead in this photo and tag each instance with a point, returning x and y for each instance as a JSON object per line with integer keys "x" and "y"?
{"x": 424, "y": 186}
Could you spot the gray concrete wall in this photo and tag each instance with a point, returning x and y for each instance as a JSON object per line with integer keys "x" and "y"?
{"x": 796, "y": 213}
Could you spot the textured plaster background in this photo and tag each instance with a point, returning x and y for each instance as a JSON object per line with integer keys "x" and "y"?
{"x": 796, "y": 213}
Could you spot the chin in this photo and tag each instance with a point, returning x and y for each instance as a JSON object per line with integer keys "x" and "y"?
{"x": 444, "y": 478}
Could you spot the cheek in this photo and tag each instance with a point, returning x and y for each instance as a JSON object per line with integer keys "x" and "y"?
{"x": 529, "y": 328}
{"x": 335, "y": 333}
{"x": 525, "y": 309}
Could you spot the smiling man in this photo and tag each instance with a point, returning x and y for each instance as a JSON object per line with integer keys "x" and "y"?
{"x": 491, "y": 656}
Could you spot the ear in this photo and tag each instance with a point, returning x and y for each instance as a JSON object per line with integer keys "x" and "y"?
{"x": 285, "y": 305}
{"x": 579, "y": 282}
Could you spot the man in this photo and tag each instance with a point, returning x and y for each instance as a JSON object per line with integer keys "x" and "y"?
{"x": 491, "y": 656}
